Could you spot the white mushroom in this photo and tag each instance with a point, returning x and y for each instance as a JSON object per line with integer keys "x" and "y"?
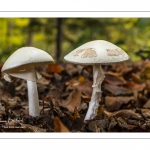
{"x": 96, "y": 53}
{"x": 21, "y": 64}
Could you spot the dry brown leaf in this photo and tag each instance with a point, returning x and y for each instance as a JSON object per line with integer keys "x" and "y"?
{"x": 115, "y": 103}
{"x": 100, "y": 110}
{"x": 5, "y": 95}
{"x": 146, "y": 113}
{"x": 11, "y": 103}
{"x": 22, "y": 85}
{"x": 122, "y": 68}
{"x": 59, "y": 126}
{"x": 71, "y": 81}
{"x": 102, "y": 124}
{"x": 114, "y": 78}
{"x": 89, "y": 68}
{"x": 75, "y": 114}
{"x": 117, "y": 90}
{"x": 43, "y": 81}
{"x": 136, "y": 78}
{"x": 72, "y": 101}
{"x": 92, "y": 126}
{"x": 55, "y": 93}
{"x": 145, "y": 74}
{"x": 75, "y": 82}
{"x": 135, "y": 86}
{"x": 86, "y": 98}
{"x": 112, "y": 123}
{"x": 107, "y": 113}
{"x": 147, "y": 104}
{"x": 83, "y": 106}
{"x": 122, "y": 123}
{"x": 55, "y": 68}
{"x": 85, "y": 87}
{"x": 81, "y": 79}
{"x": 126, "y": 114}
{"x": 46, "y": 75}
{"x": 71, "y": 69}
{"x": 148, "y": 85}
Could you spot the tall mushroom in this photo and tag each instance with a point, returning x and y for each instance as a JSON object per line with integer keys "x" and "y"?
{"x": 21, "y": 64}
{"x": 96, "y": 53}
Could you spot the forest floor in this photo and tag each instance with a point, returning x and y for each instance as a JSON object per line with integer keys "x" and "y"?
{"x": 65, "y": 92}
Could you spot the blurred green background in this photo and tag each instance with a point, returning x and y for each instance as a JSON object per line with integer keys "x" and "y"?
{"x": 59, "y": 36}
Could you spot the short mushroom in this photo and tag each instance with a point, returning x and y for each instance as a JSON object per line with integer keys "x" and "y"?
{"x": 96, "y": 53}
{"x": 21, "y": 64}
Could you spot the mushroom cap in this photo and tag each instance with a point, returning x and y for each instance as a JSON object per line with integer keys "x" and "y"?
{"x": 97, "y": 52}
{"x": 26, "y": 56}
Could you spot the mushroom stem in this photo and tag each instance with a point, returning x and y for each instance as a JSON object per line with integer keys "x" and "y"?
{"x": 98, "y": 77}
{"x": 33, "y": 99}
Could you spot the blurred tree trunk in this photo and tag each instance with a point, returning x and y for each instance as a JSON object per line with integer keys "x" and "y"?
{"x": 30, "y": 32}
{"x": 30, "y": 38}
{"x": 9, "y": 28}
{"x": 9, "y": 32}
{"x": 58, "y": 39}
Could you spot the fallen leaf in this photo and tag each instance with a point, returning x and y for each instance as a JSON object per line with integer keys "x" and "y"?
{"x": 145, "y": 74}
{"x": 115, "y": 103}
{"x": 86, "y": 98}
{"x": 83, "y": 106}
{"x": 92, "y": 126}
{"x": 59, "y": 126}
{"x": 72, "y": 101}
{"x": 146, "y": 113}
{"x": 112, "y": 123}
{"x": 117, "y": 90}
{"x": 102, "y": 124}
{"x": 107, "y": 113}
{"x": 55, "y": 93}
{"x": 71, "y": 70}
{"x": 54, "y": 68}
{"x": 85, "y": 87}
{"x": 148, "y": 85}
{"x": 122, "y": 68}
{"x": 22, "y": 85}
{"x": 11, "y": 103}
{"x": 126, "y": 114}
{"x": 114, "y": 78}
{"x": 43, "y": 81}
{"x": 100, "y": 110}
{"x": 136, "y": 78}
{"x": 135, "y": 86}
{"x": 122, "y": 123}
{"x": 81, "y": 79}
{"x": 147, "y": 104}
{"x": 45, "y": 74}
{"x": 75, "y": 114}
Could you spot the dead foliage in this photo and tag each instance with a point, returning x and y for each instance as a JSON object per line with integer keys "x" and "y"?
{"x": 64, "y": 93}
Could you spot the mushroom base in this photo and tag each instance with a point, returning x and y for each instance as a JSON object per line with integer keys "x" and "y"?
{"x": 33, "y": 99}
{"x": 98, "y": 77}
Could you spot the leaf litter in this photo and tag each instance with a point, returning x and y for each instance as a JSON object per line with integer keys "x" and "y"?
{"x": 64, "y": 95}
